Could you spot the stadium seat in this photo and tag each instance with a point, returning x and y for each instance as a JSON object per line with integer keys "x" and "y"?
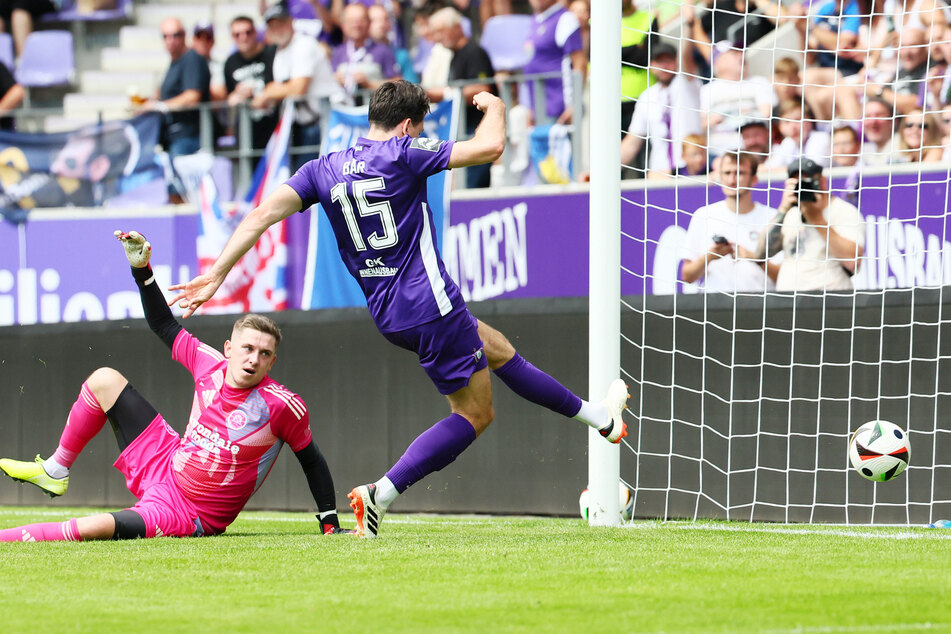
{"x": 504, "y": 38}
{"x": 47, "y": 59}
{"x": 69, "y": 12}
{"x": 6, "y": 50}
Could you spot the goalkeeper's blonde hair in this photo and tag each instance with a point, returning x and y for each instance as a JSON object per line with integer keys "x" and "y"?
{"x": 261, "y": 324}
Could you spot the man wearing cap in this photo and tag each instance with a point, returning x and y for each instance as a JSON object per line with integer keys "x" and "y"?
{"x": 301, "y": 70}
{"x": 667, "y": 112}
{"x": 823, "y": 236}
{"x": 203, "y": 41}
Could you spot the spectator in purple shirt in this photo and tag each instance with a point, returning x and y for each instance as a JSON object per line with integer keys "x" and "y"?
{"x": 556, "y": 45}
{"x": 361, "y": 63}
{"x": 375, "y": 197}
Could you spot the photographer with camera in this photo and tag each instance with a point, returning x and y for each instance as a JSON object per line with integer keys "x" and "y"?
{"x": 822, "y": 236}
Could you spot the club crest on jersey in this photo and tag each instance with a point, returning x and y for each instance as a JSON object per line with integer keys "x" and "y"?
{"x": 236, "y": 420}
{"x": 422, "y": 143}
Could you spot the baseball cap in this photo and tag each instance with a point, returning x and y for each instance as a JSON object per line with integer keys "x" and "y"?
{"x": 276, "y": 10}
{"x": 204, "y": 26}
{"x": 663, "y": 48}
{"x": 804, "y": 167}
{"x": 751, "y": 121}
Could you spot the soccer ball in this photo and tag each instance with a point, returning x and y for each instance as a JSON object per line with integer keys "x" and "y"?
{"x": 879, "y": 450}
{"x": 625, "y": 502}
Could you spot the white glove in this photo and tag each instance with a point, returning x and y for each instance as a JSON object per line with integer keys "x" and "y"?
{"x": 137, "y": 248}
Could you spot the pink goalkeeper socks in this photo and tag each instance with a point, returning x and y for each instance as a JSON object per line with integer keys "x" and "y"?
{"x": 85, "y": 420}
{"x": 66, "y": 531}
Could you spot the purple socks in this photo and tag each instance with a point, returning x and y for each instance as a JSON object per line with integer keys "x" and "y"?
{"x": 432, "y": 450}
{"x": 534, "y": 385}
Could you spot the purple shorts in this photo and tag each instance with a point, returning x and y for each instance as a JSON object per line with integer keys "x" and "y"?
{"x": 449, "y": 349}
{"x": 147, "y": 466}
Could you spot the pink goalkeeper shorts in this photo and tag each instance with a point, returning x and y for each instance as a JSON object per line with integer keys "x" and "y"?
{"x": 147, "y": 466}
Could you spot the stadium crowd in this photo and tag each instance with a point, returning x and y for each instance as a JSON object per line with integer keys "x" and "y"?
{"x": 878, "y": 67}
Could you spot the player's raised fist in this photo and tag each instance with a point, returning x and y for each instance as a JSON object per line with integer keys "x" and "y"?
{"x": 484, "y": 100}
{"x": 137, "y": 248}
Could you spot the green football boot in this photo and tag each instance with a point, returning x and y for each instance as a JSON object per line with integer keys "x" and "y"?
{"x": 34, "y": 473}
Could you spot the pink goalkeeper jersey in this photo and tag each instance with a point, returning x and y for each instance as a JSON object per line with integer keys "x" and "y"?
{"x": 233, "y": 435}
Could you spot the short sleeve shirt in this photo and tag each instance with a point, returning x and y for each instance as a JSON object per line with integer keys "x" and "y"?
{"x": 556, "y": 34}
{"x": 374, "y": 195}
{"x": 471, "y": 62}
{"x": 728, "y": 274}
{"x": 188, "y": 72}
{"x": 807, "y": 265}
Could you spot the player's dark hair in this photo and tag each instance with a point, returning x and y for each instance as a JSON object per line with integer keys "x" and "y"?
{"x": 395, "y": 101}
{"x": 261, "y": 324}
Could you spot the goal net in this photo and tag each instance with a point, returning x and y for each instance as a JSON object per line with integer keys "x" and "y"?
{"x": 749, "y": 371}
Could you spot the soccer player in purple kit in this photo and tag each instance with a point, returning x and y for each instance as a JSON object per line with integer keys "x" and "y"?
{"x": 197, "y": 484}
{"x": 375, "y": 197}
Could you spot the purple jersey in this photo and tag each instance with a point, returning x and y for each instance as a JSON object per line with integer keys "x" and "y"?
{"x": 556, "y": 34}
{"x": 374, "y": 195}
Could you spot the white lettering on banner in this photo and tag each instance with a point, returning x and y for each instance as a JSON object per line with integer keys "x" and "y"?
{"x": 488, "y": 256}
{"x": 899, "y": 255}
{"x": 28, "y": 298}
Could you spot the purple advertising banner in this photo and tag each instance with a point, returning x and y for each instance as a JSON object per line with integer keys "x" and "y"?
{"x": 66, "y": 265}
{"x": 537, "y": 245}
{"x": 69, "y": 267}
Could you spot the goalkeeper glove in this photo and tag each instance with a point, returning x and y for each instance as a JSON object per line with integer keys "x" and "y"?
{"x": 137, "y": 248}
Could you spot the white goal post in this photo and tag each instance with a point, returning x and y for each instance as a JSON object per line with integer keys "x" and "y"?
{"x": 604, "y": 321}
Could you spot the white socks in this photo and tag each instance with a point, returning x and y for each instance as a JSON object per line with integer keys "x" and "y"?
{"x": 385, "y": 492}
{"x": 593, "y": 415}
{"x": 54, "y": 469}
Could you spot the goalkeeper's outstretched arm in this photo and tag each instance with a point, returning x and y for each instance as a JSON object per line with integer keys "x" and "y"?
{"x": 138, "y": 251}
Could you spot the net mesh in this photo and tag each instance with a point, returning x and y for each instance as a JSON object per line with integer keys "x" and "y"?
{"x": 746, "y": 389}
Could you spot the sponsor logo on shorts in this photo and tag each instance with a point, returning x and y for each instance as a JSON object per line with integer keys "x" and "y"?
{"x": 376, "y": 268}
{"x": 477, "y": 354}
{"x": 236, "y": 420}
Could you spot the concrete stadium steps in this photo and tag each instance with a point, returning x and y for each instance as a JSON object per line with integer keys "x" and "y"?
{"x": 224, "y": 13}
{"x": 80, "y": 105}
{"x": 116, "y": 59}
{"x": 141, "y": 38}
{"x": 152, "y": 14}
{"x": 104, "y": 82}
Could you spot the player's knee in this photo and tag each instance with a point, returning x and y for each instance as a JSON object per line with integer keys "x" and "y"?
{"x": 482, "y": 418}
{"x": 106, "y": 384}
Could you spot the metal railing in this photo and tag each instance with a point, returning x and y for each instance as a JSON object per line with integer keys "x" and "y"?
{"x": 237, "y": 121}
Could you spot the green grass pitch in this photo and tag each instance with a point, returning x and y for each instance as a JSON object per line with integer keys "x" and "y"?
{"x": 272, "y": 573}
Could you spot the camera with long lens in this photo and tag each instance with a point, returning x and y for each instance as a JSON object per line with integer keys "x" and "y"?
{"x": 809, "y": 175}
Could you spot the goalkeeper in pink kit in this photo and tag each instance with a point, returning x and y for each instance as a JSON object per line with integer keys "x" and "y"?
{"x": 192, "y": 485}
